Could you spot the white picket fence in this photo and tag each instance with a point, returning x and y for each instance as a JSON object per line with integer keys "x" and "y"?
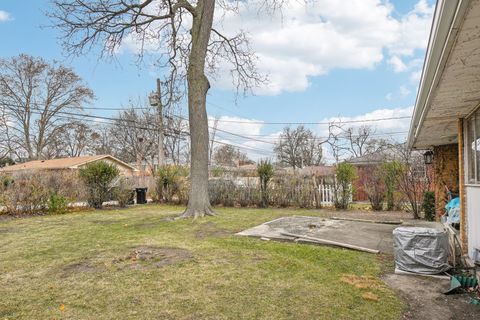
{"x": 327, "y": 195}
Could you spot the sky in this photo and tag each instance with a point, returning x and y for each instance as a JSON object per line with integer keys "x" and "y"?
{"x": 325, "y": 60}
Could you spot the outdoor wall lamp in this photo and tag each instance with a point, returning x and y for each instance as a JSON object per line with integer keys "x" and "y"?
{"x": 428, "y": 157}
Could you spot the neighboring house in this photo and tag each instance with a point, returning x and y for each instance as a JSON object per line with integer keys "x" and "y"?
{"x": 74, "y": 163}
{"x": 447, "y": 115}
{"x": 364, "y": 165}
{"x": 320, "y": 172}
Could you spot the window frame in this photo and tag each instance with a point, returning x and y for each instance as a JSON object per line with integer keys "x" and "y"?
{"x": 472, "y": 154}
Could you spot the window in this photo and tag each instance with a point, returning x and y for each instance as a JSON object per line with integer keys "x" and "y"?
{"x": 472, "y": 146}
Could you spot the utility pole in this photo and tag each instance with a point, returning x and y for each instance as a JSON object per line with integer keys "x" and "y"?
{"x": 156, "y": 101}
{"x": 161, "y": 153}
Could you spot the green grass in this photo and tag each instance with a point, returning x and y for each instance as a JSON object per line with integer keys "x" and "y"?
{"x": 81, "y": 261}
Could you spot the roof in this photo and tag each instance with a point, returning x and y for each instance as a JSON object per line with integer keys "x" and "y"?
{"x": 319, "y": 171}
{"x": 375, "y": 157}
{"x": 61, "y": 163}
{"x": 449, "y": 84}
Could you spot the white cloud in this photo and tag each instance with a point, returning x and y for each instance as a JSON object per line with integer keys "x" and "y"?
{"x": 413, "y": 30}
{"x": 237, "y": 125}
{"x": 256, "y": 146}
{"x": 389, "y": 96}
{"x": 5, "y": 16}
{"x": 415, "y": 76}
{"x": 397, "y": 63}
{"x": 260, "y": 145}
{"x": 404, "y": 91}
{"x": 381, "y": 127}
{"x": 308, "y": 39}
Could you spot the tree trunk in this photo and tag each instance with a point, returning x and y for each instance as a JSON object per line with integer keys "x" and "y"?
{"x": 198, "y": 85}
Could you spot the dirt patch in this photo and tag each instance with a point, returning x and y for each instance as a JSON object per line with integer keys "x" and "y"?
{"x": 209, "y": 229}
{"x": 7, "y": 230}
{"x": 105, "y": 222}
{"x": 153, "y": 257}
{"x": 425, "y": 299}
{"x": 360, "y": 282}
{"x": 147, "y": 225}
{"x": 83, "y": 266}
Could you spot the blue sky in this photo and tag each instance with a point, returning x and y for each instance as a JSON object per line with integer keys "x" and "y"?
{"x": 356, "y": 59}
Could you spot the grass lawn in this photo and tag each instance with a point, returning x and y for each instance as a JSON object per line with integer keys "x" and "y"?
{"x": 136, "y": 264}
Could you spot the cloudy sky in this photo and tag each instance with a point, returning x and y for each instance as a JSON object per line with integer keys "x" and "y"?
{"x": 327, "y": 59}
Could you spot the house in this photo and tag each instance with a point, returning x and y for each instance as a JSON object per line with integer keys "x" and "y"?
{"x": 364, "y": 165}
{"x": 73, "y": 163}
{"x": 446, "y": 117}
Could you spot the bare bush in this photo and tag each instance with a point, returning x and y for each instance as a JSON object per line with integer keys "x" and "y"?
{"x": 38, "y": 192}
{"x": 374, "y": 186}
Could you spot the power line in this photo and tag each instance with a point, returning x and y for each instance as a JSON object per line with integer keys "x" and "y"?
{"x": 246, "y": 137}
{"x": 254, "y": 150}
{"x": 382, "y": 134}
{"x": 339, "y": 121}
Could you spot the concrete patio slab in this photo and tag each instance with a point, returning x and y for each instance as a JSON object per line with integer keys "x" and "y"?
{"x": 376, "y": 236}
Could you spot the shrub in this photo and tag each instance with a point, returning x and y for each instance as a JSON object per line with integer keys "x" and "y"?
{"x": 98, "y": 177}
{"x": 345, "y": 175}
{"x": 265, "y": 173}
{"x": 170, "y": 180}
{"x": 35, "y": 192}
{"x": 123, "y": 192}
{"x": 222, "y": 191}
{"x": 282, "y": 191}
{"x": 392, "y": 171}
{"x": 303, "y": 193}
{"x": 374, "y": 186}
{"x": 217, "y": 172}
{"x": 429, "y": 205}
{"x": 248, "y": 196}
{"x": 24, "y": 193}
{"x": 279, "y": 192}
{"x": 57, "y": 204}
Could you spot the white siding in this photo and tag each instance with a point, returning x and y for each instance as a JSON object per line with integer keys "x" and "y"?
{"x": 473, "y": 218}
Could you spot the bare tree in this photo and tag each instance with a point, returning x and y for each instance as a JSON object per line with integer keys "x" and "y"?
{"x": 177, "y": 134}
{"x": 134, "y": 137}
{"x": 33, "y": 97}
{"x": 336, "y": 142}
{"x": 358, "y": 139}
{"x": 298, "y": 148}
{"x": 102, "y": 141}
{"x": 352, "y": 142}
{"x": 4, "y": 149}
{"x": 414, "y": 178}
{"x": 72, "y": 140}
{"x": 75, "y": 139}
{"x": 355, "y": 141}
{"x": 228, "y": 155}
{"x": 190, "y": 48}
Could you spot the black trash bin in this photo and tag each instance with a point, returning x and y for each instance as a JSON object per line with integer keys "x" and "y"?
{"x": 141, "y": 195}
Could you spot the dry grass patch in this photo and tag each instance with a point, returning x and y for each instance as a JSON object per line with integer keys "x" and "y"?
{"x": 138, "y": 264}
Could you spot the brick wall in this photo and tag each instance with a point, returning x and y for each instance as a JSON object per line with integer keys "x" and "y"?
{"x": 445, "y": 168}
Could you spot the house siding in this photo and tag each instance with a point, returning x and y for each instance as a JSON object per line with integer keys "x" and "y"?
{"x": 472, "y": 224}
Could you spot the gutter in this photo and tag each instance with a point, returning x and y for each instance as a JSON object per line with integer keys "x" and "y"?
{"x": 447, "y": 20}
